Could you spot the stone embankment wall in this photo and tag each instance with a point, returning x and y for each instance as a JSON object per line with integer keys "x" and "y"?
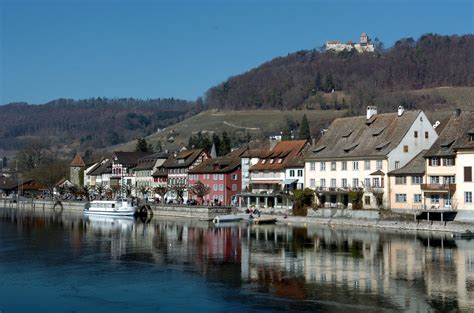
{"x": 344, "y": 213}
{"x": 190, "y": 211}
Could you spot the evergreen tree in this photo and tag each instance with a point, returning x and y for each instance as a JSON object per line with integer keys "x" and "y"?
{"x": 217, "y": 141}
{"x": 142, "y": 145}
{"x": 304, "y": 132}
{"x": 225, "y": 145}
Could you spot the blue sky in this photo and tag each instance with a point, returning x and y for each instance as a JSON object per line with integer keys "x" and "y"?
{"x": 149, "y": 49}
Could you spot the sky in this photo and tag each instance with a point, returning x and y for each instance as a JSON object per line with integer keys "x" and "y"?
{"x": 79, "y": 49}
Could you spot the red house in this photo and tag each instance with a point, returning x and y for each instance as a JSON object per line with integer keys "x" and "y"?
{"x": 222, "y": 175}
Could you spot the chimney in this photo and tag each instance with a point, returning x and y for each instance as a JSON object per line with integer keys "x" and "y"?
{"x": 371, "y": 111}
{"x": 457, "y": 112}
{"x": 401, "y": 109}
{"x": 313, "y": 142}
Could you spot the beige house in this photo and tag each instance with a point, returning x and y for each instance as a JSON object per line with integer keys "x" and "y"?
{"x": 355, "y": 154}
{"x": 144, "y": 170}
{"x": 449, "y": 164}
{"x": 405, "y": 184}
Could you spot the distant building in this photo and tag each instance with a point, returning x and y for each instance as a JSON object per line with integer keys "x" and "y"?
{"x": 364, "y": 45}
{"x": 76, "y": 170}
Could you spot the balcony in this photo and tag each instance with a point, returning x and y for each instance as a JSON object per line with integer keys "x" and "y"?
{"x": 451, "y": 188}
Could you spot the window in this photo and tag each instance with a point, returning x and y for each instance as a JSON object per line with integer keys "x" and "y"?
{"x": 449, "y": 161}
{"x": 280, "y": 161}
{"x": 471, "y": 137}
{"x": 401, "y": 197}
{"x": 344, "y": 183}
{"x": 312, "y": 166}
{"x": 292, "y": 173}
{"x": 367, "y": 182}
{"x": 367, "y": 200}
{"x": 312, "y": 182}
{"x": 235, "y": 176}
{"x": 333, "y": 182}
{"x": 333, "y": 166}
{"x": 214, "y": 187}
{"x": 426, "y": 135}
{"x": 468, "y": 197}
{"x": 447, "y": 201}
{"x": 344, "y": 165}
{"x": 449, "y": 180}
{"x": 323, "y": 182}
{"x": 323, "y": 166}
{"x": 355, "y": 165}
{"x": 367, "y": 165}
{"x": 234, "y": 187}
{"x": 397, "y": 164}
{"x": 400, "y": 180}
{"x": 468, "y": 173}
{"x": 300, "y": 173}
{"x": 355, "y": 183}
{"x": 264, "y": 161}
{"x": 221, "y": 176}
{"x": 379, "y": 165}
{"x": 376, "y": 182}
{"x": 417, "y": 198}
{"x": 434, "y": 179}
{"x": 271, "y": 161}
{"x": 416, "y": 134}
{"x": 416, "y": 180}
{"x": 434, "y": 199}
{"x": 405, "y": 148}
{"x": 215, "y": 176}
{"x": 221, "y": 187}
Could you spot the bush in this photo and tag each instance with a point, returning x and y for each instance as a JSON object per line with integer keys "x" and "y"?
{"x": 302, "y": 199}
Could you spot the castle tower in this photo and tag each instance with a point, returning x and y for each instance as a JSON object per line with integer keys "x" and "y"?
{"x": 76, "y": 169}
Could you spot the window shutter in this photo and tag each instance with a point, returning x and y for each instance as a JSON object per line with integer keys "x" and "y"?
{"x": 430, "y": 161}
{"x": 468, "y": 173}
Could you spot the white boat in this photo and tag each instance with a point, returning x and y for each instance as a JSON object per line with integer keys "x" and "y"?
{"x": 120, "y": 207}
{"x": 227, "y": 218}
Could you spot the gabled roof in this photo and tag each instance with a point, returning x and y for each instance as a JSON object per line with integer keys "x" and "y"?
{"x": 183, "y": 158}
{"x": 77, "y": 161}
{"x": 356, "y": 136}
{"x": 256, "y": 153}
{"x": 454, "y": 136}
{"x": 104, "y": 168}
{"x": 296, "y": 162}
{"x": 217, "y": 166}
{"x": 282, "y": 153}
{"x": 148, "y": 162}
{"x": 415, "y": 166}
{"x": 128, "y": 159}
{"x": 160, "y": 172}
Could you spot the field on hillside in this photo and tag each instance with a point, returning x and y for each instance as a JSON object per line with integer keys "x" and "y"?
{"x": 258, "y": 124}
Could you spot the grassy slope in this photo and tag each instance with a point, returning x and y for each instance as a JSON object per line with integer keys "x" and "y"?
{"x": 267, "y": 121}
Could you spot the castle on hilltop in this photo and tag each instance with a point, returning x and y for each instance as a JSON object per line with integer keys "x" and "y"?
{"x": 364, "y": 45}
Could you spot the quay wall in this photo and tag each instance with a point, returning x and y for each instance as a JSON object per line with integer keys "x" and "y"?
{"x": 190, "y": 211}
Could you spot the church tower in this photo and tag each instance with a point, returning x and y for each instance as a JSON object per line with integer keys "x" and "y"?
{"x": 76, "y": 170}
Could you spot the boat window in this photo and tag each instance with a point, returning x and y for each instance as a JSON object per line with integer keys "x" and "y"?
{"x": 113, "y": 205}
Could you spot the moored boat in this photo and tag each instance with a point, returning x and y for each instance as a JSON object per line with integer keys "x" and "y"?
{"x": 120, "y": 207}
{"x": 227, "y": 218}
{"x": 263, "y": 220}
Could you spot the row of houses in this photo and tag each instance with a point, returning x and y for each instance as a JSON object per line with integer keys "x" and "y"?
{"x": 396, "y": 160}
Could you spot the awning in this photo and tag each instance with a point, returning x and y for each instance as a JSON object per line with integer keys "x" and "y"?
{"x": 289, "y": 181}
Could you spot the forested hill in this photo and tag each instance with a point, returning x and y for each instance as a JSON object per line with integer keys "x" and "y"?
{"x": 89, "y": 123}
{"x": 295, "y": 80}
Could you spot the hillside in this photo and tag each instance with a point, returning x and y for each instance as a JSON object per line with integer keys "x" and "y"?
{"x": 87, "y": 124}
{"x": 298, "y": 80}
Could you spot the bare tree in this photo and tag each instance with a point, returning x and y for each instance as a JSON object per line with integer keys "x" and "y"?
{"x": 161, "y": 191}
{"x": 200, "y": 190}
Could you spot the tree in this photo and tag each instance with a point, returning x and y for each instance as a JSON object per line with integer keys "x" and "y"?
{"x": 142, "y": 145}
{"x": 225, "y": 145}
{"x": 100, "y": 188}
{"x": 161, "y": 191}
{"x": 49, "y": 174}
{"x": 179, "y": 188}
{"x": 200, "y": 190}
{"x": 302, "y": 200}
{"x": 304, "y": 132}
{"x": 143, "y": 190}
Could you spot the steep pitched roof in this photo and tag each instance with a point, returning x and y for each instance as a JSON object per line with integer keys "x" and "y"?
{"x": 104, "y": 168}
{"x": 77, "y": 161}
{"x": 280, "y": 155}
{"x": 218, "y": 165}
{"x": 356, "y": 136}
{"x": 414, "y": 166}
{"x": 128, "y": 159}
{"x": 256, "y": 153}
{"x": 454, "y": 136}
{"x": 148, "y": 162}
{"x": 183, "y": 158}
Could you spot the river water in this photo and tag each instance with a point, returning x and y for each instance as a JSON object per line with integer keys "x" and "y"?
{"x": 69, "y": 263}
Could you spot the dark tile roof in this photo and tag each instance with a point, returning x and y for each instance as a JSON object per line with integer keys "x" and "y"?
{"x": 128, "y": 159}
{"x": 256, "y": 153}
{"x": 295, "y": 162}
{"x": 160, "y": 172}
{"x": 455, "y": 135}
{"x": 148, "y": 162}
{"x": 77, "y": 161}
{"x": 217, "y": 166}
{"x": 282, "y": 153}
{"x": 356, "y": 136}
{"x": 414, "y": 166}
{"x": 183, "y": 158}
{"x": 105, "y": 168}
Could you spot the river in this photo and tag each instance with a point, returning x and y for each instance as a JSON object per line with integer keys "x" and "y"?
{"x": 66, "y": 262}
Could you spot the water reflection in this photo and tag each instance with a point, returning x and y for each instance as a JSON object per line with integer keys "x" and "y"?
{"x": 311, "y": 268}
